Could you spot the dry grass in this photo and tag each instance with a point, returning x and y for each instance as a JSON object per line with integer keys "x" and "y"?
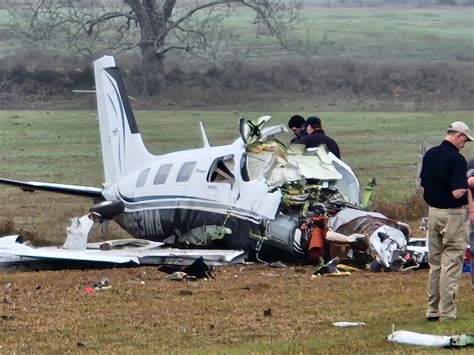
{"x": 224, "y": 315}
{"x": 411, "y": 209}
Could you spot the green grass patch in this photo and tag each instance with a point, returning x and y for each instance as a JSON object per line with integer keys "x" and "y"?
{"x": 394, "y": 33}
{"x": 63, "y": 146}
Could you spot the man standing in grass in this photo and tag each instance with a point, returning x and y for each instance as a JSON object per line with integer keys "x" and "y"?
{"x": 443, "y": 177}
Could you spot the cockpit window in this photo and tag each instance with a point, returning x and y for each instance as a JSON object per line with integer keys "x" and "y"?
{"x": 186, "y": 171}
{"x": 221, "y": 170}
{"x": 142, "y": 177}
{"x": 162, "y": 174}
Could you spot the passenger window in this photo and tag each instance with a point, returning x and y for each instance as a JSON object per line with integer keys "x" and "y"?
{"x": 221, "y": 170}
{"x": 142, "y": 177}
{"x": 162, "y": 174}
{"x": 185, "y": 172}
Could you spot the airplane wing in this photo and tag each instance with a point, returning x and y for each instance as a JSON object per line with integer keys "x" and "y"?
{"x": 30, "y": 186}
{"x": 13, "y": 251}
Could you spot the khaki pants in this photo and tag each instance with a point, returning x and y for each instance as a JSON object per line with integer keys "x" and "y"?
{"x": 448, "y": 239}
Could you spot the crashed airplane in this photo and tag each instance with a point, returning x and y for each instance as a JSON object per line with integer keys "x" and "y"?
{"x": 255, "y": 194}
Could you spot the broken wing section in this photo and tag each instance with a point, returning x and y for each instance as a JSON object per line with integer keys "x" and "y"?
{"x": 77, "y": 190}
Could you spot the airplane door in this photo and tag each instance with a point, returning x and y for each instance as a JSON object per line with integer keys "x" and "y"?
{"x": 220, "y": 180}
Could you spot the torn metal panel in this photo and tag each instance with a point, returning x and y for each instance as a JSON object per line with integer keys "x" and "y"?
{"x": 347, "y": 215}
{"x": 315, "y": 165}
{"x": 127, "y": 252}
{"x": 12, "y": 246}
{"x": 348, "y": 185}
{"x": 419, "y": 247}
{"x": 254, "y": 196}
{"x": 385, "y": 243}
{"x": 77, "y": 233}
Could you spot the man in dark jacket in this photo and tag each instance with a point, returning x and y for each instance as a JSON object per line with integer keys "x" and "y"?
{"x": 297, "y": 125}
{"x": 446, "y": 191}
{"x": 316, "y": 136}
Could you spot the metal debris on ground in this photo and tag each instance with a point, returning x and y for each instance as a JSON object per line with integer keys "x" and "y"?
{"x": 278, "y": 265}
{"x": 102, "y": 284}
{"x": 412, "y": 338}
{"x": 348, "y": 324}
{"x": 177, "y": 276}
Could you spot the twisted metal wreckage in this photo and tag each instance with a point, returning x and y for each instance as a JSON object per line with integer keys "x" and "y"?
{"x": 252, "y": 199}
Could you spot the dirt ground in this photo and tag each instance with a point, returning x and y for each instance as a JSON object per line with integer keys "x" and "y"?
{"x": 243, "y": 307}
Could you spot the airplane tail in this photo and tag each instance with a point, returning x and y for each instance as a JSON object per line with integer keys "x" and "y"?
{"x": 123, "y": 150}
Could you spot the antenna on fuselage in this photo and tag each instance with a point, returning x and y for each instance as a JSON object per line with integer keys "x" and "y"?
{"x": 205, "y": 141}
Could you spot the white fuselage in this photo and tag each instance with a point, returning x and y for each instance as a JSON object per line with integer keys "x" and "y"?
{"x": 194, "y": 182}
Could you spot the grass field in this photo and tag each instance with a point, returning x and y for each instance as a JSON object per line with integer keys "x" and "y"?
{"x": 63, "y": 146}
{"x": 49, "y": 312}
{"x": 392, "y": 33}
{"x": 377, "y": 33}
{"x": 224, "y": 315}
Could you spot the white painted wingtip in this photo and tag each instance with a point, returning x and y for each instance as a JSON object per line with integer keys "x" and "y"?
{"x": 205, "y": 141}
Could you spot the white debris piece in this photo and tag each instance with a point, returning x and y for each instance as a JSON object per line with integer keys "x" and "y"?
{"x": 77, "y": 233}
{"x": 133, "y": 251}
{"x": 348, "y": 324}
{"x": 412, "y": 338}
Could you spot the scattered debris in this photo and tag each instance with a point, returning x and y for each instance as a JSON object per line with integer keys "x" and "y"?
{"x": 77, "y": 233}
{"x": 419, "y": 248}
{"x": 103, "y": 283}
{"x": 328, "y": 268}
{"x": 199, "y": 269}
{"x": 372, "y": 239}
{"x": 278, "y": 265}
{"x": 176, "y": 276}
{"x": 135, "y": 282}
{"x": 348, "y": 324}
{"x": 271, "y": 274}
{"x": 185, "y": 293}
{"x": 412, "y": 338}
{"x": 267, "y": 312}
{"x": 14, "y": 251}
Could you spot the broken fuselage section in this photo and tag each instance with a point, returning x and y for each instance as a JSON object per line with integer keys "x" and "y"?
{"x": 253, "y": 192}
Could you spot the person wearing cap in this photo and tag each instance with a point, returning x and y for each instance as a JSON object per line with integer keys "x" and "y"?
{"x": 443, "y": 177}
{"x": 316, "y": 136}
{"x": 297, "y": 126}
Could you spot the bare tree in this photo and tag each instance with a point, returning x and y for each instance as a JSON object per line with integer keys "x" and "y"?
{"x": 156, "y": 27}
